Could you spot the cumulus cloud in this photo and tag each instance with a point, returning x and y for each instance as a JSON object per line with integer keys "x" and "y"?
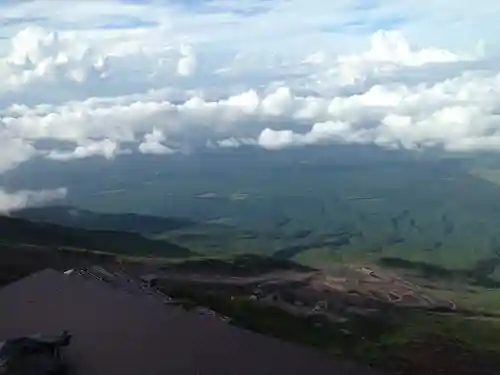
{"x": 105, "y": 148}
{"x": 235, "y": 143}
{"x": 11, "y": 201}
{"x": 324, "y": 132}
{"x": 13, "y": 151}
{"x": 187, "y": 63}
{"x": 152, "y": 144}
{"x": 389, "y": 53}
{"x": 279, "y": 102}
{"x": 248, "y": 102}
{"x": 193, "y": 75}
{"x": 39, "y": 59}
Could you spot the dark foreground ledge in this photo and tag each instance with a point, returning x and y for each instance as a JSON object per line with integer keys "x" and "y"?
{"x": 119, "y": 333}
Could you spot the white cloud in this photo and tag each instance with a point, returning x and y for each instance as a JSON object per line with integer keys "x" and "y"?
{"x": 389, "y": 52}
{"x": 187, "y": 63}
{"x": 11, "y": 201}
{"x": 106, "y": 148}
{"x": 278, "y": 139}
{"x": 278, "y": 74}
{"x": 13, "y": 151}
{"x": 278, "y": 103}
{"x": 320, "y": 133}
{"x": 235, "y": 143}
{"x": 248, "y": 102}
{"x": 152, "y": 144}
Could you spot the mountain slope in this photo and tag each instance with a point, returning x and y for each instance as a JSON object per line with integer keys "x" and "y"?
{"x": 19, "y": 231}
{"x": 127, "y": 222}
{"x": 26, "y": 247}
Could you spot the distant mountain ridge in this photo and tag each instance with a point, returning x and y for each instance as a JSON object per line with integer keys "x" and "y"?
{"x": 27, "y": 247}
{"x": 84, "y": 219}
{"x": 21, "y": 231}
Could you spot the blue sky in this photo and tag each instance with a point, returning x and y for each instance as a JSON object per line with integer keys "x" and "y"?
{"x": 460, "y": 24}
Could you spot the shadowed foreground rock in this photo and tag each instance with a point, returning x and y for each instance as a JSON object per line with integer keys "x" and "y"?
{"x": 115, "y": 332}
{"x": 37, "y": 354}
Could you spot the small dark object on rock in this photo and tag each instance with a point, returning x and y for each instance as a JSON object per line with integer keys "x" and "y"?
{"x": 34, "y": 355}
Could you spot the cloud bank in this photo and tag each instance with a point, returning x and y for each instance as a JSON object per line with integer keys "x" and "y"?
{"x": 12, "y": 201}
{"x": 158, "y": 78}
